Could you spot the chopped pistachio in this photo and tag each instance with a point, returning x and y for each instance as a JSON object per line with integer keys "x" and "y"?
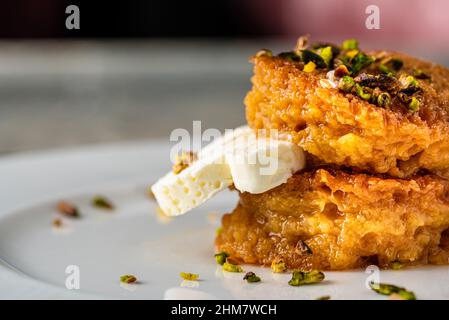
{"x": 303, "y": 248}
{"x": 341, "y": 71}
{"x": 102, "y": 203}
{"x": 419, "y": 74}
{"x": 390, "y": 65}
{"x": 251, "y": 277}
{"x": 221, "y": 257}
{"x": 128, "y": 278}
{"x": 67, "y": 209}
{"x": 218, "y": 231}
{"x": 189, "y": 276}
{"x": 300, "y": 278}
{"x": 389, "y": 289}
{"x": 323, "y": 298}
{"x": 362, "y": 92}
{"x": 350, "y": 44}
{"x": 383, "y": 81}
{"x": 278, "y": 266}
{"x": 396, "y": 265}
{"x": 309, "y": 67}
{"x": 326, "y": 54}
{"x": 346, "y": 84}
{"x": 408, "y": 81}
{"x": 229, "y": 267}
{"x": 413, "y": 105}
{"x": 289, "y": 55}
{"x": 309, "y": 55}
{"x": 319, "y": 45}
{"x": 383, "y": 99}
{"x": 352, "y": 53}
{"x": 384, "y": 69}
{"x": 360, "y": 61}
{"x": 264, "y": 52}
{"x": 396, "y": 64}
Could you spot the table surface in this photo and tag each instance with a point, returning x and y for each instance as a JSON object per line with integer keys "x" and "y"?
{"x": 59, "y": 94}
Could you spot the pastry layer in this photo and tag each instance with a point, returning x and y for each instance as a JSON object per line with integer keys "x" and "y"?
{"x": 343, "y": 129}
{"x": 346, "y": 220}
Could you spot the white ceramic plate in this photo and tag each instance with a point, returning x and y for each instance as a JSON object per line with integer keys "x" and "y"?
{"x": 133, "y": 240}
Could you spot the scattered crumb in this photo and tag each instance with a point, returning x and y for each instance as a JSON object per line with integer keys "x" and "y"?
{"x": 102, "y": 203}
{"x": 189, "y": 276}
{"x": 57, "y": 222}
{"x": 67, "y": 209}
{"x": 128, "y": 278}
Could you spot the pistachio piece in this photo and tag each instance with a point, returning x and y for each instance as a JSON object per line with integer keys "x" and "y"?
{"x": 189, "y": 276}
{"x": 389, "y": 289}
{"x": 128, "y": 278}
{"x": 229, "y": 267}
{"x": 300, "y": 278}
{"x": 251, "y": 277}
{"x": 221, "y": 257}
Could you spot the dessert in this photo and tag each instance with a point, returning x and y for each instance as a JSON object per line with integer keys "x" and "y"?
{"x": 361, "y": 146}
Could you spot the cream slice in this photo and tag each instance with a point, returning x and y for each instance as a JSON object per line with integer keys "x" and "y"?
{"x": 238, "y": 158}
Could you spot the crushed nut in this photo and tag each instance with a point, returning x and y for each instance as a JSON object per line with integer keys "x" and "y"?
{"x": 128, "y": 278}
{"x": 102, "y": 203}
{"x": 67, "y": 209}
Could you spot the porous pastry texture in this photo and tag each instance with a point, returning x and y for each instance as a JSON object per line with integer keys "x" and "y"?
{"x": 330, "y": 219}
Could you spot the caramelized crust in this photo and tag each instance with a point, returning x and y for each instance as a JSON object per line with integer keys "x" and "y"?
{"x": 347, "y": 220}
{"x": 344, "y": 130}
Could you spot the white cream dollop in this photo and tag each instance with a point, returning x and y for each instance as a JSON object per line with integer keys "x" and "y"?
{"x": 252, "y": 164}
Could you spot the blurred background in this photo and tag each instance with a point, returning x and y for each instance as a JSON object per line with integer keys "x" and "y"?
{"x": 139, "y": 69}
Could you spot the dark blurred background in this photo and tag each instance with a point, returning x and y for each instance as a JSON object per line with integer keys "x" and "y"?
{"x": 138, "y": 69}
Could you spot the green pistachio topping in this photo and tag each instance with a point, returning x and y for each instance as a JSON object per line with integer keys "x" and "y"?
{"x": 229, "y": 267}
{"x": 189, "y": 276}
{"x": 300, "y": 278}
{"x": 350, "y": 44}
{"x": 251, "y": 277}
{"x": 128, "y": 278}
{"x": 360, "y": 61}
{"x": 396, "y": 265}
{"x": 326, "y": 55}
{"x": 346, "y": 84}
{"x": 221, "y": 257}
{"x": 102, "y": 203}
{"x": 278, "y": 266}
{"x": 413, "y": 105}
{"x": 378, "y": 79}
{"x": 389, "y": 289}
{"x": 362, "y": 92}
{"x": 419, "y": 74}
{"x": 383, "y": 99}
{"x": 309, "y": 55}
{"x": 289, "y": 55}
